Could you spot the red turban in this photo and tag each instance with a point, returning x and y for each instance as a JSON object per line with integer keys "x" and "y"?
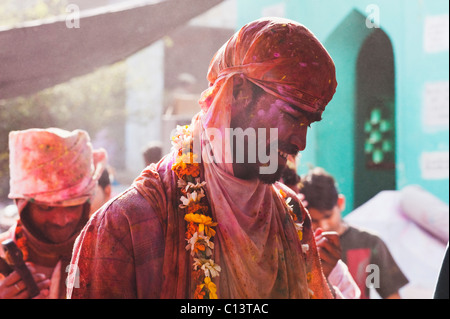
{"x": 53, "y": 166}
{"x": 283, "y": 58}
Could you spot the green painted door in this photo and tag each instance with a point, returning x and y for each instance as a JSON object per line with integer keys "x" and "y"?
{"x": 374, "y": 119}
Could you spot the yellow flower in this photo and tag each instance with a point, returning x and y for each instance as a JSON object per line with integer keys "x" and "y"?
{"x": 188, "y": 158}
{"x": 204, "y": 223}
{"x": 299, "y": 228}
{"x": 212, "y": 288}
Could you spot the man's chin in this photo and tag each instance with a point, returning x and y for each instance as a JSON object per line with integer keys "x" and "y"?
{"x": 58, "y": 237}
{"x": 271, "y": 178}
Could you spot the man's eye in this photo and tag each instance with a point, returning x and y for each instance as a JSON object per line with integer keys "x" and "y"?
{"x": 73, "y": 207}
{"x": 45, "y": 207}
{"x": 298, "y": 119}
{"x": 291, "y": 116}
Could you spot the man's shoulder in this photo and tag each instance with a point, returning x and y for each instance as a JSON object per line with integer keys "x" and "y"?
{"x": 361, "y": 231}
{"x": 129, "y": 199}
{"x": 130, "y": 205}
{"x": 360, "y": 235}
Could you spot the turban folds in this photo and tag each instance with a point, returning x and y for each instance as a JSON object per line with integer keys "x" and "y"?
{"x": 53, "y": 166}
{"x": 283, "y": 58}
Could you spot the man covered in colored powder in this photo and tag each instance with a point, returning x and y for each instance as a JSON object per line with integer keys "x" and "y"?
{"x": 53, "y": 174}
{"x": 210, "y": 220}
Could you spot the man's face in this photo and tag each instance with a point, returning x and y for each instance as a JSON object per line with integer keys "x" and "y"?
{"x": 328, "y": 220}
{"x": 57, "y": 224}
{"x": 269, "y": 112}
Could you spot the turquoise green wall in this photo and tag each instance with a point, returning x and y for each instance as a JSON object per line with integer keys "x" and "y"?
{"x": 340, "y": 25}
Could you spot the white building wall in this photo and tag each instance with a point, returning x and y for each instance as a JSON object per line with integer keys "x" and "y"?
{"x": 144, "y": 103}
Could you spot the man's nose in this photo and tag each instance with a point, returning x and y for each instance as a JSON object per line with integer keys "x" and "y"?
{"x": 299, "y": 139}
{"x": 324, "y": 225}
{"x": 61, "y": 219}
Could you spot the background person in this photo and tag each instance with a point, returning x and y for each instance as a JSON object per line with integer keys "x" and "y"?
{"x": 360, "y": 248}
{"x": 328, "y": 245}
{"x": 53, "y": 174}
{"x": 103, "y": 191}
{"x": 152, "y": 153}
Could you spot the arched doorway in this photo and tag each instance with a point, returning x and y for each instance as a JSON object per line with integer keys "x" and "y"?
{"x": 374, "y": 150}
{"x": 360, "y": 55}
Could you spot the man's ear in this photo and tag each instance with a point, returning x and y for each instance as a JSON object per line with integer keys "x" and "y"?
{"x": 341, "y": 202}
{"x": 108, "y": 191}
{"x": 238, "y": 83}
{"x": 242, "y": 92}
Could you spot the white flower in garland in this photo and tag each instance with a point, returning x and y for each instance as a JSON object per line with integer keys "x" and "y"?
{"x": 182, "y": 139}
{"x": 200, "y": 242}
{"x": 305, "y": 248}
{"x": 197, "y": 186}
{"x": 181, "y": 183}
{"x": 188, "y": 185}
{"x": 193, "y": 197}
{"x": 290, "y": 206}
{"x": 210, "y": 268}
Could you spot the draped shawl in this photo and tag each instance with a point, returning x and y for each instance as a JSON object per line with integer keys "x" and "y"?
{"x": 256, "y": 244}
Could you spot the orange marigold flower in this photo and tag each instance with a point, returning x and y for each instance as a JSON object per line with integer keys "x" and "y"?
{"x": 191, "y": 229}
{"x": 198, "y": 275}
{"x": 197, "y": 207}
{"x": 178, "y": 167}
{"x": 199, "y": 246}
{"x": 192, "y": 170}
{"x": 199, "y": 293}
{"x": 21, "y": 240}
{"x": 182, "y": 169}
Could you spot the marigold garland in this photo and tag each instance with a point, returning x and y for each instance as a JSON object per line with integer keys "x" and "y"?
{"x": 299, "y": 229}
{"x": 199, "y": 226}
{"x": 21, "y": 240}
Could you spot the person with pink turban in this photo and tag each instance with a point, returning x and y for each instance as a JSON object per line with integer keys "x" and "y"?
{"x": 53, "y": 174}
{"x": 210, "y": 220}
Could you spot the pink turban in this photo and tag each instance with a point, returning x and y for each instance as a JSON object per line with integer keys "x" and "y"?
{"x": 283, "y": 58}
{"x": 53, "y": 166}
